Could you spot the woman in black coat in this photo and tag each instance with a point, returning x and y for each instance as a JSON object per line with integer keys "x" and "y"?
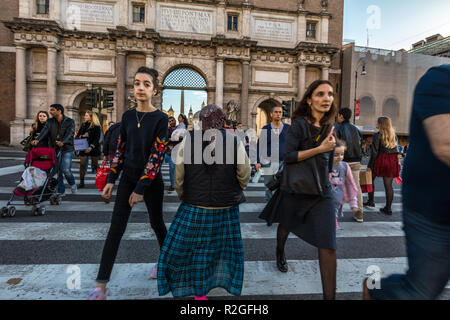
{"x": 306, "y": 207}
{"x": 90, "y": 130}
{"x": 38, "y": 125}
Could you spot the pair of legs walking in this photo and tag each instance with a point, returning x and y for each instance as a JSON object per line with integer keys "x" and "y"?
{"x": 83, "y": 165}
{"x": 65, "y": 170}
{"x": 327, "y": 263}
{"x": 153, "y": 198}
{"x": 389, "y": 190}
{"x": 428, "y": 251}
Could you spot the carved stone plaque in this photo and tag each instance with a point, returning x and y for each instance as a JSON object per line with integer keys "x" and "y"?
{"x": 91, "y": 12}
{"x": 272, "y": 30}
{"x": 185, "y": 20}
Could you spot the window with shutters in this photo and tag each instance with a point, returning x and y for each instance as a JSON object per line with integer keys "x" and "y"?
{"x": 311, "y": 30}
{"x": 42, "y": 6}
{"x": 138, "y": 13}
{"x": 233, "y": 22}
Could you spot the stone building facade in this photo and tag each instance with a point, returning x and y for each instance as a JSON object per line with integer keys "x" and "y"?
{"x": 255, "y": 52}
{"x": 10, "y": 8}
{"x": 387, "y": 88}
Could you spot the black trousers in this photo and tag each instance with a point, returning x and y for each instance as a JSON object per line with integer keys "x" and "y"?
{"x": 153, "y": 198}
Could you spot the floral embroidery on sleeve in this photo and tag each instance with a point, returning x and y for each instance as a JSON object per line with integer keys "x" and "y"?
{"x": 156, "y": 159}
{"x": 117, "y": 162}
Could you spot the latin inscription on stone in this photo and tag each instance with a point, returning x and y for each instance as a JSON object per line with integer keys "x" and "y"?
{"x": 185, "y": 20}
{"x": 92, "y": 12}
{"x": 272, "y": 30}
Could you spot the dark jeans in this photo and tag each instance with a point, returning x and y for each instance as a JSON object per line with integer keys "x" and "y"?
{"x": 153, "y": 198}
{"x": 428, "y": 250}
{"x": 65, "y": 171}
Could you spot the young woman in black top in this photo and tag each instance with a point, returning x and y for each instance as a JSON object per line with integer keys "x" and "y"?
{"x": 140, "y": 153}
{"x": 38, "y": 125}
{"x": 90, "y": 130}
{"x": 310, "y": 217}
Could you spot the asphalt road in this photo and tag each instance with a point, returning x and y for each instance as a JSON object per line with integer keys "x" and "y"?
{"x": 38, "y": 250}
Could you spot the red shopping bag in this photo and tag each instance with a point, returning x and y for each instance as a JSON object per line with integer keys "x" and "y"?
{"x": 398, "y": 180}
{"x": 102, "y": 175}
{"x": 365, "y": 179}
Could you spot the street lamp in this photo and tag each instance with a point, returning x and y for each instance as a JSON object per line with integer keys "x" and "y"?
{"x": 363, "y": 73}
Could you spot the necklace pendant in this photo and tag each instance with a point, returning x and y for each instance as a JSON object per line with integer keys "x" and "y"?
{"x": 139, "y": 125}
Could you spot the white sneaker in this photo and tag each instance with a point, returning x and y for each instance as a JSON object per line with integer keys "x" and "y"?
{"x": 73, "y": 188}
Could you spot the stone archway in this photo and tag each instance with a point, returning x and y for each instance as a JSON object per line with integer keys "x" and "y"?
{"x": 79, "y": 108}
{"x": 184, "y": 91}
{"x": 263, "y": 113}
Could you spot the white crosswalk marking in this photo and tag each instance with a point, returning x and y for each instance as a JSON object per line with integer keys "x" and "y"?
{"x": 141, "y": 231}
{"x": 68, "y": 231}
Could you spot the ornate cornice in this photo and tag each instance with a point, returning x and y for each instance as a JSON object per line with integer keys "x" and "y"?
{"x": 85, "y": 35}
{"x": 22, "y": 24}
{"x": 222, "y": 41}
{"x": 122, "y": 32}
{"x": 49, "y": 33}
{"x": 312, "y": 47}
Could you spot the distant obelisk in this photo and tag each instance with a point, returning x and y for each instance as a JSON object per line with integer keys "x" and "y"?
{"x": 182, "y": 102}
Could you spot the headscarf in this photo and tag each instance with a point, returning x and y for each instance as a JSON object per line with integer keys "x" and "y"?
{"x": 212, "y": 117}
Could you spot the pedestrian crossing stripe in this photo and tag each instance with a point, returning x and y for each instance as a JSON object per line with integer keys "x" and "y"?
{"x": 71, "y": 231}
{"x": 75, "y": 206}
{"x": 131, "y": 280}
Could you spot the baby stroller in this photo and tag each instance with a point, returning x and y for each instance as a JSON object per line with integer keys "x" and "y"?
{"x": 43, "y": 159}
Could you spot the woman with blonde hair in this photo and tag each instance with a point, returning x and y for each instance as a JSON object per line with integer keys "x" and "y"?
{"x": 90, "y": 130}
{"x": 383, "y": 161}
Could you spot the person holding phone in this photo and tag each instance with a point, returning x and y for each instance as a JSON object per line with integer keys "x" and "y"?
{"x": 310, "y": 217}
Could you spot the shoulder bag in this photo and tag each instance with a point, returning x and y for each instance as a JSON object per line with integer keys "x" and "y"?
{"x": 303, "y": 177}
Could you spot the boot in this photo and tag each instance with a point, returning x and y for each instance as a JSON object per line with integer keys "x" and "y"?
{"x": 281, "y": 261}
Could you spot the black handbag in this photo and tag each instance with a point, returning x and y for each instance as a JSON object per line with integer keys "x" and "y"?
{"x": 303, "y": 177}
{"x": 26, "y": 143}
{"x": 275, "y": 182}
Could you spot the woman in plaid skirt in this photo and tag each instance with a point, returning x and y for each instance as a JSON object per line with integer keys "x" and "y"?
{"x": 203, "y": 247}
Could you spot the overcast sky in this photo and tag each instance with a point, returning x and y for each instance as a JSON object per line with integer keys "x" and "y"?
{"x": 395, "y": 24}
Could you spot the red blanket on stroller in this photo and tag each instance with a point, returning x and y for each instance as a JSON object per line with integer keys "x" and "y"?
{"x": 42, "y": 158}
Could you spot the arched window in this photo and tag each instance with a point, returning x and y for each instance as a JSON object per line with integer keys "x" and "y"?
{"x": 367, "y": 107}
{"x": 391, "y": 109}
{"x": 184, "y": 78}
{"x": 184, "y": 91}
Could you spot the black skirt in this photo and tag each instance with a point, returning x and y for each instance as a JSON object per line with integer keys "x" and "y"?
{"x": 311, "y": 218}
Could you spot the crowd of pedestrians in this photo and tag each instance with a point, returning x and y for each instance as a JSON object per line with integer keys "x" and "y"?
{"x": 314, "y": 164}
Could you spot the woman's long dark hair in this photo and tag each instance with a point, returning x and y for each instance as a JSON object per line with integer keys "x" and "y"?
{"x": 303, "y": 109}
